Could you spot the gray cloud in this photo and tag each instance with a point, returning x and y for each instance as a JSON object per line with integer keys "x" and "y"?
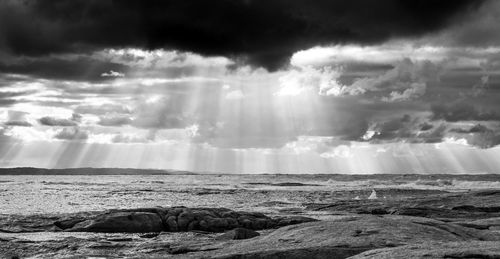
{"x": 114, "y": 120}
{"x": 83, "y": 68}
{"x": 102, "y": 109}
{"x": 18, "y": 123}
{"x": 17, "y": 118}
{"x": 51, "y": 121}
{"x": 478, "y": 135}
{"x": 407, "y": 129}
{"x": 461, "y": 111}
{"x": 160, "y": 113}
{"x": 73, "y": 133}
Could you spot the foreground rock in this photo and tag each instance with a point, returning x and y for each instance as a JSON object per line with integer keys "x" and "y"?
{"x": 340, "y": 238}
{"x": 127, "y": 222}
{"x": 351, "y": 236}
{"x": 471, "y": 249}
{"x": 173, "y": 220}
{"x": 238, "y": 233}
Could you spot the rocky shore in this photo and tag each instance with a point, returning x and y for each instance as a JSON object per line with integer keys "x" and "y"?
{"x": 435, "y": 225}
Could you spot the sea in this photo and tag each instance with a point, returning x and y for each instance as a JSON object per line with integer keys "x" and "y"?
{"x": 268, "y": 193}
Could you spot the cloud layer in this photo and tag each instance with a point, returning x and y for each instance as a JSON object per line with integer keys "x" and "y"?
{"x": 253, "y": 30}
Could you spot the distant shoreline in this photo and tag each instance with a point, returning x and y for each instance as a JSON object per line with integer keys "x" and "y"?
{"x": 89, "y": 171}
{"x": 136, "y": 171}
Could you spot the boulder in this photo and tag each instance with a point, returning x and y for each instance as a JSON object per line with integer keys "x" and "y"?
{"x": 173, "y": 219}
{"x": 183, "y": 220}
{"x": 470, "y": 249}
{"x": 350, "y": 236}
{"x": 130, "y": 222}
{"x": 171, "y": 224}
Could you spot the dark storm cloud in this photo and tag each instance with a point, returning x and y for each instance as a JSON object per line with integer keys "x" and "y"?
{"x": 260, "y": 32}
{"x": 484, "y": 140}
{"x": 478, "y": 135}
{"x": 410, "y": 129}
{"x": 480, "y": 29}
{"x": 462, "y": 111}
{"x": 478, "y": 128}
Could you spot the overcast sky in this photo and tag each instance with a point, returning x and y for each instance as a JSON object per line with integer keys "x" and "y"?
{"x": 251, "y": 86}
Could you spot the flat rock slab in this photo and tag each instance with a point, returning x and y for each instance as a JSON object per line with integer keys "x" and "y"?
{"x": 464, "y": 206}
{"x": 456, "y": 250}
{"x": 351, "y": 236}
{"x": 489, "y": 223}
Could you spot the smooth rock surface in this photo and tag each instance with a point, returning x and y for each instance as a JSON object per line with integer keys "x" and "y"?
{"x": 466, "y": 206}
{"x": 489, "y": 223}
{"x": 457, "y": 250}
{"x": 350, "y": 236}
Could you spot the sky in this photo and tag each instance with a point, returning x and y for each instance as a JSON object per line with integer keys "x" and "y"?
{"x": 251, "y": 86}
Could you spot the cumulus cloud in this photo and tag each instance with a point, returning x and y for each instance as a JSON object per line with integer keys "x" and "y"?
{"x": 323, "y": 80}
{"x": 17, "y": 118}
{"x": 406, "y": 129}
{"x": 73, "y": 133}
{"x": 112, "y": 73}
{"x": 342, "y": 151}
{"x": 388, "y": 53}
{"x": 326, "y": 147}
{"x": 478, "y": 135}
{"x": 487, "y": 139}
{"x": 352, "y": 56}
{"x": 158, "y": 59}
{"x": 406, "y": 80}
{"x": 415, "y": 90}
